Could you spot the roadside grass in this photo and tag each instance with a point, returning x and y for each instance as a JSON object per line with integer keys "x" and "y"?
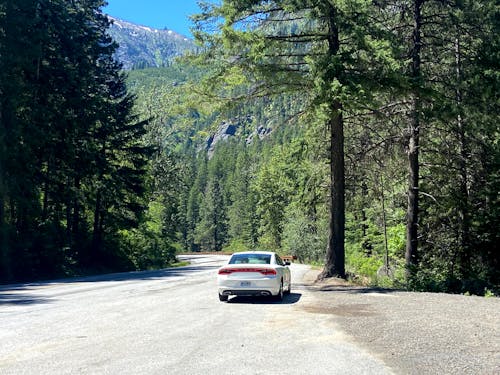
{"x": 396, "y": 280}
{"x": 488, "y": 293}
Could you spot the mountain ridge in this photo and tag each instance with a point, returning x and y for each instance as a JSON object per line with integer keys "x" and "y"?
{"x": 143, "y": 46}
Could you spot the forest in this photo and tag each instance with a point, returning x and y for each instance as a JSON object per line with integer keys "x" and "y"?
{"x": 360, "y": 136}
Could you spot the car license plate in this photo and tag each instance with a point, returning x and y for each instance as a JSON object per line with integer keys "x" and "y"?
{"x": 245, "y": 283}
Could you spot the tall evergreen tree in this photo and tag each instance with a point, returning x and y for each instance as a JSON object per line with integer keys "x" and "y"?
{"x": 67, "y": 136}
{"x": 241, "y": 213}
{"x": 458, "y": 124}
{"x": 333, "y": 52}
{"x": 211, "y": 230}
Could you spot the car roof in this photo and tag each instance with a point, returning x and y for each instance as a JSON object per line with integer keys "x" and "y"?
{"x": 255, "y": 252}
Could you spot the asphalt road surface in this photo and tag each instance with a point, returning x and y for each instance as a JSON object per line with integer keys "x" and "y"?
{"x": 170, "y": 322}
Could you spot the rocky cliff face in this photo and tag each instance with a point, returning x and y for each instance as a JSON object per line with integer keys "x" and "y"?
{"x": 226, "y": 130}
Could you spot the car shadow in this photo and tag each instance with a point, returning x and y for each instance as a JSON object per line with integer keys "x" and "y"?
{"x": 288, "y": 299}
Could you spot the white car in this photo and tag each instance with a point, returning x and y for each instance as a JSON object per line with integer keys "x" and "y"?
{"x": 254, "y": 273}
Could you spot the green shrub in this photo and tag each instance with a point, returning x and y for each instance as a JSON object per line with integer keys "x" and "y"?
{"x": 236, "y": 246}
{"x": 302, "y": 237}
{"x": 146, "y": 249}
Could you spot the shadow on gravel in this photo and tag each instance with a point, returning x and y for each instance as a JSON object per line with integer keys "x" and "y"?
{"x": 303, "y": 286}
{"x": 288, "y": 299}
{"x": 354, "y": 289}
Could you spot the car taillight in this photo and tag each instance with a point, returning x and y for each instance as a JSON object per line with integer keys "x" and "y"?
{"x": 267, "y": 271}
{"x": 264, "y": 271}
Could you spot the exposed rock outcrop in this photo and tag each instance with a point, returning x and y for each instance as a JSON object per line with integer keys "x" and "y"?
{"x": 227, "y": 130}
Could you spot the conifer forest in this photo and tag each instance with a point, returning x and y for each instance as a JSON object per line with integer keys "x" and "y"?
{"x": 359, "y": 136}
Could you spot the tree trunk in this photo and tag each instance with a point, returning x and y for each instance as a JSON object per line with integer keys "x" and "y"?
{"x": 69, "y": 216}
{"x": 5, "y": 266}
{"x": 413, "y": 186}
{"x": 335, "y": 252}
{"x": 45, "y": 194}
{"x": 413, "y": 144}
{"x": 384, "y": 220}
{"x": 75, "y": 224}
{"x": 7, "y": 217}
{"x": 463, "y": 204}
{"x": 366, "y": 244}
{"x": 96, "y": 235}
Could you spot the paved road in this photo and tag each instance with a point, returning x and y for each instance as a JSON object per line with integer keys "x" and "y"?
{"x": 169, "y": 322}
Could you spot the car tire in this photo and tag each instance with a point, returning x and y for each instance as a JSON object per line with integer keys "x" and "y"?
{"x": 223, "y": 298}
{"x": 279, "y": 296}
{"x": 289, "y": 289}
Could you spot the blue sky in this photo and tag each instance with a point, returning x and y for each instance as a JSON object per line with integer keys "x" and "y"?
{"x": 172, "y": 14}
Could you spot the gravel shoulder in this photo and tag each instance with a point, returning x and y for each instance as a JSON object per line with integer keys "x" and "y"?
{"x": 414, "y": 333}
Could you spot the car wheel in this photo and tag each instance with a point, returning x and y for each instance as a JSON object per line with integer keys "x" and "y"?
{"x": 223, "y": 298}
{"x": 289, "y": 289}
{"x": 279, "y": 296}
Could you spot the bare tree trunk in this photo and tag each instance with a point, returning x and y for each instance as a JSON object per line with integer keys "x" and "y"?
{"x": 413, "y": 188}
{"x": 384, "y": 219}
{"x": 366, "y": 245}
{"x": 335, "y": 252}
{"x": 96, "y": 234}
{"x": 4, "y": 247}
{"x": 413, "y": 144}
{"x": 335, "y": 255}
{"x": 75, "y": 224}
{"x": 5, "y": 267}
{"x": 463, "y": 204}
{"x": 45, "y": 194}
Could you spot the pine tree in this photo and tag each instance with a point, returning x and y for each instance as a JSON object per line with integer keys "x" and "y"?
{"x": 329, "y": 51}
{"x": 241, "y": 213}
{"x": 66, "y": 133}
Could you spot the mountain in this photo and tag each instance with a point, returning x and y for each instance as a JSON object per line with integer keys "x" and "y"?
{"x": 142, "y": 46}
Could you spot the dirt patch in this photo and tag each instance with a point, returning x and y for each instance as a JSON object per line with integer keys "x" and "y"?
{"x": 352, "y": 310}
{"x": 310, "y": 277}
{"x": 312, "y": 274}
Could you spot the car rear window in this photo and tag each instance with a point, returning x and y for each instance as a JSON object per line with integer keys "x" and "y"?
{"x": 250, "y": 259}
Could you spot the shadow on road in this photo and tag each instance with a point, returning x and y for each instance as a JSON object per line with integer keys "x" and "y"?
{"x": 18, "y": 294}
{"x": 288, "y": 299}
{"x": 142, "y": 275}
{"x": 123, "y": 276}
{"x": 21, "y": 299}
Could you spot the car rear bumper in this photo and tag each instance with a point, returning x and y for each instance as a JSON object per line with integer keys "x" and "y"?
{"x": 259, "y": 287}
{"x": 245, "y": 292}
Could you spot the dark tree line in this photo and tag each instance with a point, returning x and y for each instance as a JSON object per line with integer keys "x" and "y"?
{"x": 390, "y": 81}
{"x": 72, "y": 163}
{"x": 390, "y": 167}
